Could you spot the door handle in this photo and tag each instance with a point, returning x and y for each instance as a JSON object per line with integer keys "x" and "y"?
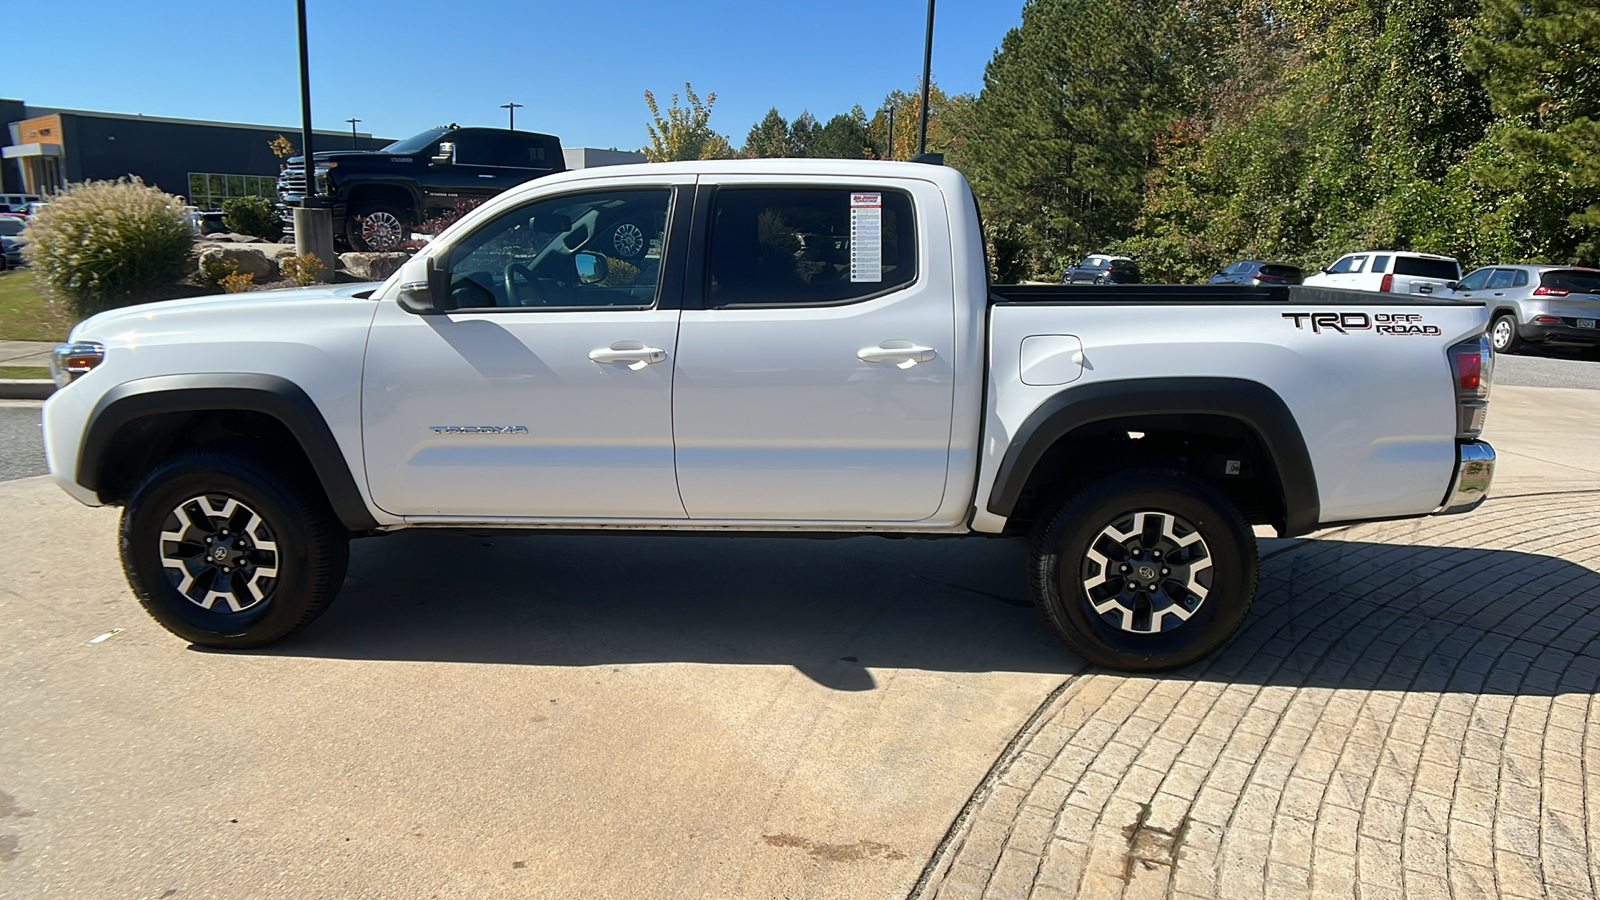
{"x": 635, "y": 354}
{"x": 903, "y": 354}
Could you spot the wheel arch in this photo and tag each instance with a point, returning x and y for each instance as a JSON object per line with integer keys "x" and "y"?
{"x": 402, "y": 195}
{"x": 1218, "y": 410}
{"x": 138, "y": 422}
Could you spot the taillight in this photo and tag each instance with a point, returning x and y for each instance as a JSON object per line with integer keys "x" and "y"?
{"x": 1547, "y": 320}
{"x": 1472, "y": 365}
{"x": 1388, "y": 282}
{"x": 1542, "y": 291}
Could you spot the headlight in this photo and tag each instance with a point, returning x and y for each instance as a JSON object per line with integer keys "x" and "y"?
{"x": 69, "y": 361}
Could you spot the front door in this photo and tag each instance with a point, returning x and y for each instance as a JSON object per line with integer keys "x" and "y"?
{"x": 546, "y": 392}
{"x": 815, "y": 384}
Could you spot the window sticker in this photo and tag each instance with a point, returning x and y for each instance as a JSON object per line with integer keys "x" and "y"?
{"x": 866, "y": 238}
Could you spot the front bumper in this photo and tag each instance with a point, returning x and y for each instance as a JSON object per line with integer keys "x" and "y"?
{"x": 1470, "y": 485}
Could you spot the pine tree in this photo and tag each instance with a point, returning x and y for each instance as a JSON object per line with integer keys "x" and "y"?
{"x": 768, "y": 138}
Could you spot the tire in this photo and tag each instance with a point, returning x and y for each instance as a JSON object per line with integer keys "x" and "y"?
{"x": 254, "y": 501}
{"x": 377, "y": 227}
{"x": 1144, "y": 631}
{"x": 625, "y": 240}
{"x": 1503, "y": 334}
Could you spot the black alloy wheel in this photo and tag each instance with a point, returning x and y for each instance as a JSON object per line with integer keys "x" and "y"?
{"x": 227, "y": 548}
{"x": 1144, "y": 570}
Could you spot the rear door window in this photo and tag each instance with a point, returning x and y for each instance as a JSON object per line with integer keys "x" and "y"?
{"x": 521, "y": 153}
{"x": 808, "y": 246}
{"x": 1380, "y": 263}
{"x": 1500, "y": 279}
{"x": 1440, "y": 269}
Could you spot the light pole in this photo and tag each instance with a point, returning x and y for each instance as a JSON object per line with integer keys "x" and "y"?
{"x": 313, "y": 220}
{"x": 511, "y": 110}
{"x": 889, "y": 150}
{"x": 352, "y": 122}
{"x": 927, "y": 71}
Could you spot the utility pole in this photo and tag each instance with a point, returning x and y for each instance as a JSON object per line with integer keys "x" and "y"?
{"x": 511, "y": 110}
{"x": 927, "y": 72}
{"x": 352, "y": 122}
{"x": 889, "y": 153}
{"x": 305, "y": 103}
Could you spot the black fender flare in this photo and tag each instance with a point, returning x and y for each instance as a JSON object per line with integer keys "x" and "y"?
{"x": 267, "y": 394}
{"x": 1251, "y": 403}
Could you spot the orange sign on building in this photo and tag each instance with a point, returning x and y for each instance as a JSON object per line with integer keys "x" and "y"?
{"x": 41, "y": 130}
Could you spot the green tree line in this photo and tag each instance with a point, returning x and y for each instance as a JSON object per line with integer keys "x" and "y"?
{"x": 1193, "y": 132}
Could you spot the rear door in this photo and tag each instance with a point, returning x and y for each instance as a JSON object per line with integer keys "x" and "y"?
{"x": 814, "y": 383}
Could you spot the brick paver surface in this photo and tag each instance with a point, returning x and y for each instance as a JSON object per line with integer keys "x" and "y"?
{"x": 1409, "y": 711}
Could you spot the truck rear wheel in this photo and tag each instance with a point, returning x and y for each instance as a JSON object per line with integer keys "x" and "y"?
{"x": 377, "y": 227}
{"x": 1144, "y": 570}
{"x": 227, "y": 548}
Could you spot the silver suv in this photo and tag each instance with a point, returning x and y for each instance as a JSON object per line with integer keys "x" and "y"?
{"x": 1537, "y": 304}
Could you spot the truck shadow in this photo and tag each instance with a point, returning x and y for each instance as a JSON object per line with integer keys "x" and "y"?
{"x": 1336, "y": 614}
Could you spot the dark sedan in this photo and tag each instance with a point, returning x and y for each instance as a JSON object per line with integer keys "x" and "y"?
{"x": 1254, "y": 271}
{"x": 1102, "y": 268}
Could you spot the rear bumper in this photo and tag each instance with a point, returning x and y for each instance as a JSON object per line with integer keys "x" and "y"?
{"x": 1567, "y": 332}
{"x": 1469, "y": 487}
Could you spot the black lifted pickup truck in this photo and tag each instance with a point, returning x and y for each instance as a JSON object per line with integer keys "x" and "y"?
{"x": 378, "y": 196}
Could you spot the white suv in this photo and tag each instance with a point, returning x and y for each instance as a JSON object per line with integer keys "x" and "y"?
{"x": 1391, "y": 271}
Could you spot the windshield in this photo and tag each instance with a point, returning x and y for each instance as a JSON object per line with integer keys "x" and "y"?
{"x": 417, "y": 142}
{"x": 11, "y": 227}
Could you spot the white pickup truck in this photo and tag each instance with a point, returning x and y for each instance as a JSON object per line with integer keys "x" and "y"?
{"x": 802, "y": 346}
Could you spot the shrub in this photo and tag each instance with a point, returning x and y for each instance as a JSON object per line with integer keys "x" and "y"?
{"x": 213, "y": 271}
{"x": 253, "y": 216}
{"x": 237, "y": 282}
{"x": 103, "y": 244}
{"x": 436, "y": 225}
{"x": 619, "y": 273}
{"x": 303, "y": 270}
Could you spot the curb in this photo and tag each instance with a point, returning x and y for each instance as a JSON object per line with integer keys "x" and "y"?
{"x": 26, "y": 388}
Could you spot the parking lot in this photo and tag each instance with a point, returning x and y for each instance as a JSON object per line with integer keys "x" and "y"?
{"x": 1409, "y": 708}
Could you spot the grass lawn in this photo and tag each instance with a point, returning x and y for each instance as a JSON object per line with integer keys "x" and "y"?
{"x": 24, "y": 372}
{"x": 24, "y": 314}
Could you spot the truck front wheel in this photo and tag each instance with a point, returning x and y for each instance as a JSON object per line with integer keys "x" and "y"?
{"x": 377, "y": 227}
{"x": 1144, "y": 570}
{"x": 227, "y": 548}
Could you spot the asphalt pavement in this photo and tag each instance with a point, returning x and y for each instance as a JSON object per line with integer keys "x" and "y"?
{"x": 1547, "y": 368}
{"x": 21, "y": 443}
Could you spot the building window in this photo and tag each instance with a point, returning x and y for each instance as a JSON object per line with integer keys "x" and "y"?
{"x": 207, "y": 190}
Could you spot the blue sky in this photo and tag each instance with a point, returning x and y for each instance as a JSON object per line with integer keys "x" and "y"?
{"x": 579, "y": 68}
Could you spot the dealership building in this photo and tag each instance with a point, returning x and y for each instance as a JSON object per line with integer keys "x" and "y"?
{"x": 43, "y": 149}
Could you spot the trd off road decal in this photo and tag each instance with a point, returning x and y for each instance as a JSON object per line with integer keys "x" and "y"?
{"x": 1346, "y": 322}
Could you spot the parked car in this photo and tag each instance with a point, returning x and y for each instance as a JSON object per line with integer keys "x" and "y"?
{"x": 1390, "y": 271}
{"x": 378, "y": 196}
{"x": 12, "y": 226}
{"x": 1256, "y": 272}
{"x": 1537, "y": 304}
{"x": 1102, "y": 268}
{"x": 515, "y": 374}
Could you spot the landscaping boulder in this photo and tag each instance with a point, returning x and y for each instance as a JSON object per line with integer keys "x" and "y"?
{"x": 247, "y": 260}
{"x": 372, "y": 266}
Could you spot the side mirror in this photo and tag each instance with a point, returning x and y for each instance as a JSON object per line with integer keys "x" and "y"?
{"x": 592, "y": 267}
{"x": 446, "y": 154}
{"x": 1451, "y": 284}
{"x": 427, "y": 298}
